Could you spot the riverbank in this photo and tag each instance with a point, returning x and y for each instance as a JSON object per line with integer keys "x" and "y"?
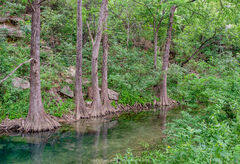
{"x": 9, "y": 126}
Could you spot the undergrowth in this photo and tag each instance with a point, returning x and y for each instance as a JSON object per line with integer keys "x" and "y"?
{"x": 210, "y": 137}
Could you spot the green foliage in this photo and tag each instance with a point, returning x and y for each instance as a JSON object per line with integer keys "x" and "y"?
{"x": 194, "y": 140}
{"x": 114, "y": 104}
{"x": 60, "y": 109}
{"x": 130, "y": 98}
{"x": 11, "y": 8}
{"x": 210, "y": 136}
{"x": 9, "y": 108}
{"x": 209, "y": 81}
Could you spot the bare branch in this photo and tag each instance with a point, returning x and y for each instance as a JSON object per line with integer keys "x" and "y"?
{"x": 15, "y": 70}
{"x": 203, "y": 45}
{"x": 31, "y": 5}
{"x": 90, "y": 33}
{"x": 41, "y": 2}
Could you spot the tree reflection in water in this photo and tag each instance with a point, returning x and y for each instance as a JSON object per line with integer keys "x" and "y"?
{"x": 88, "y": 140}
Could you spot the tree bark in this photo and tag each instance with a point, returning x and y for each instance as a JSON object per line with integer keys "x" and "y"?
{"x": 128, "y": 33}
{"x": 164, "y": 100}
{"x": 96, "y": 110}
{"x": 155, "y": 47}
{"x": 79, "y": 101}
{"x": 107, "y": 108}
{"x": 37, "y": 120}
{"x": 90, "y": 33}
{"x": 156, "y": 30}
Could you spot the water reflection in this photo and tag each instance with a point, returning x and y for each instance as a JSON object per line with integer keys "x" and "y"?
{"x": 86, "y": 141}
{"x": 163, "y": 116}
{"x": 98, "y": 129}
{"x": 37, "y": 143}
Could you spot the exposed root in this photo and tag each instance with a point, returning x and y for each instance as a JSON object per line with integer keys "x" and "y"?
{"x": 82, "y": 115}
{"x": 165, "y": 101}
{"x": 96, "y": 113}
{"x": 96, "y": 110}
{"x": 11, "y": 125}
{"x": 67, "y": 118}
{"x": 40, "y": 124}
{"x": 108, "y": 108}
{"x": 48, "y": 123}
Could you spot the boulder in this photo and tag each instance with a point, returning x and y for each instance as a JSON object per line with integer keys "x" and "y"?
{"x": 112, "y": 95}
{"x": 66, "y": 91}
{"x": 20, "y": 83}
{"x": 71, "y": 71}
{"x": 69, "y": 81}
{"x": 54, "y": 93}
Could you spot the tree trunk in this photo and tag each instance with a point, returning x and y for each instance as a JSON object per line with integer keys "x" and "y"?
{"x": 79, "y": 101}
{"x": 155, "y": 30}
{"x": 164, "y": 100}
{"x": 96, "y": 110}
{"x": 37, "y": 120}
{"x": 155, "y": 47}
{"x": 128, "y": 33}
{"x": 107, "y": 108}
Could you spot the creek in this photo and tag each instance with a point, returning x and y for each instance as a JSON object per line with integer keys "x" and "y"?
{"x": 88, "y": 141}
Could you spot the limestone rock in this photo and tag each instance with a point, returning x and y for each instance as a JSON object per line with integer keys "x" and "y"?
{"x": 112, "y": 95}
{"x": 54, "y": 93}
{"x": 67, "y": 91}
{"x": 20, "y": 83}
{"x": 71, "y": 71}
{"x": 69, "y": 81}
{"x": 9, "y": 26}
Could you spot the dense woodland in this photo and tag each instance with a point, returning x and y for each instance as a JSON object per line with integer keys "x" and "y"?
{"x": 62, "y": 58}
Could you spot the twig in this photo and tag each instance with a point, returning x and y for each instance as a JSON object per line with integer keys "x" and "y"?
{"x": 15, "y": 70}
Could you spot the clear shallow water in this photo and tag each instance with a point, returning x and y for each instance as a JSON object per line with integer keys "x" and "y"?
{"x": 87, "y": 141}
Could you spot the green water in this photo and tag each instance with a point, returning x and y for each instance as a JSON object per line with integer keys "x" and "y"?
{"x": 88, "y": 141}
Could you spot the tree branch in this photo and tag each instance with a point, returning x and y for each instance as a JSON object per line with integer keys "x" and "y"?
{"x": 90, "y": 33}
{"x": 31, "y": 5}
{"x": 146, "y": 7}
{"x": 221, "y": 3}
{"x": 200, "y": 48}
{"x": 41, "y": 2}
{"x": 160, "y": 21}
{"x": 15, "y": 70}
